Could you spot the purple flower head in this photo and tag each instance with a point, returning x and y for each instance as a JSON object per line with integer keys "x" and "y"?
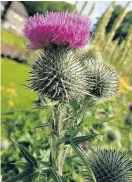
{"x": 57, "y": 28}
{"x": 85, "y": 145}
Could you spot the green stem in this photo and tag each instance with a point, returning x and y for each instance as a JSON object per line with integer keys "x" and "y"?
{"x": 58, "y": 131}
{"x": 59, "y": 152}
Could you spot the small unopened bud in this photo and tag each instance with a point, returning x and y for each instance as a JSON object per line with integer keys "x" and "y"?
{"x": 113, "y": 135}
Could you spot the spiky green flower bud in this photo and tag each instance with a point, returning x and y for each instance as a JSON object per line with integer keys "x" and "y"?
{"x": 112, "y": 135}
{"x": 59, "y": 74}
{"x": 110, "y": 166}
{"x": 102, "y": 81}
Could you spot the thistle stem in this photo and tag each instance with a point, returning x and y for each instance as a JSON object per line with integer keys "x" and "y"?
{"x": 58, "y": 131}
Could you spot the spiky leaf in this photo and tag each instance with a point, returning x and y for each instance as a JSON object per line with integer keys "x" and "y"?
{"x": 74, "y": 140}
{"x": 32, "y": 161}
{"x": 82, "y": 155}
{"x": 81, "y": 139}
{"x": 28, "y": 157}
{"x": 27, "y": 176}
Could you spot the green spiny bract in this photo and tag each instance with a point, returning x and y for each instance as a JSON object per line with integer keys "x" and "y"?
{"x": 110, "y": 166}
{"x": 59, "y": 74}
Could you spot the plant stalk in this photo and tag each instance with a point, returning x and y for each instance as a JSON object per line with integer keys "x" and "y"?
{"x": 59, "y": 130}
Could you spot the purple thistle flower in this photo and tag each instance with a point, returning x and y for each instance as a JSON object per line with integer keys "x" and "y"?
{"x": 57, "y": 28}
{"x": 85, "y": 145}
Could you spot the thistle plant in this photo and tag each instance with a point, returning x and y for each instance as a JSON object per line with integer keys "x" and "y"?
{"x": 69, "y": 82}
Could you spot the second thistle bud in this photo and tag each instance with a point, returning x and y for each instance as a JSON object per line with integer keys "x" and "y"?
{"x": 102, "y": 81}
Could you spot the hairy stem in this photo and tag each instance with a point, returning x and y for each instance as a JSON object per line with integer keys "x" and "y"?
{"x": 59, "y": 128}
{"x": 58, "y": 131}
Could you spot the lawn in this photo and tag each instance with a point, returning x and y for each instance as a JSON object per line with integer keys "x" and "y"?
{"x": 14, "y": 95}
{"x": 13, "y": 40}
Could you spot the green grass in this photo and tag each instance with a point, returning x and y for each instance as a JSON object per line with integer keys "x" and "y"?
{"x": 13, "y": 40}
{"x": 14, "y": 74}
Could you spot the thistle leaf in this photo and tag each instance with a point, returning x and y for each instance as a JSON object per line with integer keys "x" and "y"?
{"x": 82, "y": 155}
{"x": 81, "y": 139}
{"x": 74, "y": 140}
{"x": 44, "y": 166}
{"x": 26, "y": 176}
{"x": 28, "y": 157}
{"x": 64, "y": 139}
{"x": 32, "y": 161}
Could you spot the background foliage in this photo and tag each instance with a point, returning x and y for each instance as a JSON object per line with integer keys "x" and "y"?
{"x": 41, "y": 6}
{"x": 124, "y": 27}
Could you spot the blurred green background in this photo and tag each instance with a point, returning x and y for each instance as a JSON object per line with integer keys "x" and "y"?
{"x": 111, "y": 35}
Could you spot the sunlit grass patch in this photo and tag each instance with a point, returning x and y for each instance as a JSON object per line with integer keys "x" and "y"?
{"x": 14, "y": 74}
{"x": 13, "y": 40}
